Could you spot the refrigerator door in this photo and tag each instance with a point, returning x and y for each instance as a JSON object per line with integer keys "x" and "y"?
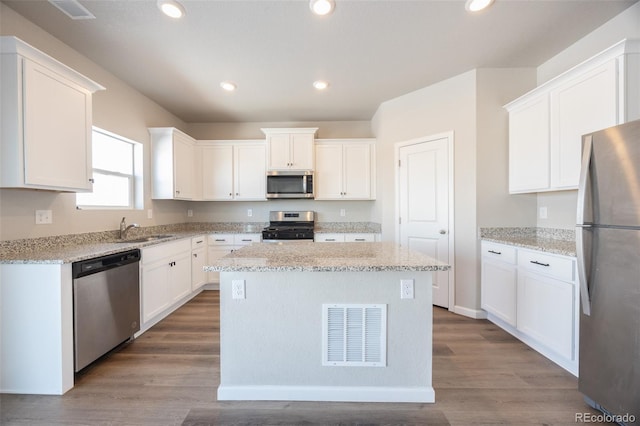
{"x": 610, "y": 336}
{"x": 615, "y": 175}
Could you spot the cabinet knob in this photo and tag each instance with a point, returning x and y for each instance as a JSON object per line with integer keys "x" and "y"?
{"x": 442, "y": 232}
{"x": 231, "y": 194}
{"x": 177, "y": 192}
{"x": 195, "y": 254}
{"x": 92, "y": 180}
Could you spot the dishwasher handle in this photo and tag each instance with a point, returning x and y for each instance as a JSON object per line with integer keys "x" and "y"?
{"x": 103, "y": 263}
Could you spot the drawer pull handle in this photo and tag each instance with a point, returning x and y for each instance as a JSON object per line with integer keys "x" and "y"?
{"x": 199, "y": 242}
{"x": 220, "y": 240}
{"x": 495, "y": 252}
{"x": 247, "y": 240}
{"x": 330, "y": 239}
{"x": 359, "y": 239}
{"x": 535, "y": 262}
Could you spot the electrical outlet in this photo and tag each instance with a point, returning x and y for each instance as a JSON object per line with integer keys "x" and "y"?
{"x": 249, "y": 212}
{"x": 44, "y": 217}
{"x": 237, "y": 289}
{"x": 543, "y": 213}
{"x": 150, "y": 214}
{"x": 406, "y": 289}
{"x": 343, "y": 212}
{"x": 189, "y": 213}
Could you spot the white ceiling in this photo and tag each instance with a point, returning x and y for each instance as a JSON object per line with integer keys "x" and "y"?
{"x": 369, "y": 50}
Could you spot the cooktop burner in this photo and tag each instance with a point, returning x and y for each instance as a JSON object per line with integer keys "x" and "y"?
{"x": 289, "y": 226}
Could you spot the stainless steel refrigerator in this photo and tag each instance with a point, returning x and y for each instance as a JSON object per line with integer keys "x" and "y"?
{"x": 608, "y": 248}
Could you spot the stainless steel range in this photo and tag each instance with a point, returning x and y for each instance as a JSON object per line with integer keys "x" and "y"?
{"x": 289, "y": 226}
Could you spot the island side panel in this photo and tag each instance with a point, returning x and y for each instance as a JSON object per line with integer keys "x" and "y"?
{"x": 271, "y": 341}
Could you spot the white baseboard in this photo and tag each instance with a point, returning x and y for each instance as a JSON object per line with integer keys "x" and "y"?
{"x": 326, "y": 393}
{"x": 471, "y": 313}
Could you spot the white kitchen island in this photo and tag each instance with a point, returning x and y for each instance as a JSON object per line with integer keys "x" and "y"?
{"x": 326, "y": 322}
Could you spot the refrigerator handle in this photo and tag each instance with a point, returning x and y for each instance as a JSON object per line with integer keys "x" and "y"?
{"x": 581, "y": 250}
{"x": 583, "y": 183}
{"x": 583, "y": 253}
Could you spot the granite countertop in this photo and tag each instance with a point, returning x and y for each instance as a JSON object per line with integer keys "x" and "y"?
{"x": 550, "y": 240}
{"x": 325, "y": 257}
{"x": 347, "y": 227}
{"x": 75, "y": 247}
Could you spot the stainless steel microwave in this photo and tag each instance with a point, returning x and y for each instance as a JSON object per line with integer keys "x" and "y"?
{"x": 289, "y": 184}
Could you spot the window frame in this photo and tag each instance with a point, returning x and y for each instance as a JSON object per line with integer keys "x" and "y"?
{"x": 135, "y": 179}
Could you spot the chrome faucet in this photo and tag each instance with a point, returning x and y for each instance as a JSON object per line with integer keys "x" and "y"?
{"x": 124, "y": 228}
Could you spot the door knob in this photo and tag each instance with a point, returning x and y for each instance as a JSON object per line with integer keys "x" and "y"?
{"x": 442, "y": 232}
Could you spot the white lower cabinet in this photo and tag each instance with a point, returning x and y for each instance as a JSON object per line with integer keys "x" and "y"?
{"x": 198, "y": 262}
{"x": 222, "y": 244}
{"x": 499, "y": 281}
{"x": 166, "y": 278}
{"x": 534, "y": 296}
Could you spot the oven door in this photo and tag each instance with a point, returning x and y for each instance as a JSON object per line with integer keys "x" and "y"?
{"x": 288, "y": 184}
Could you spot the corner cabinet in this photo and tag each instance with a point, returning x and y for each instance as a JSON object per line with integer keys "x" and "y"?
{"x": 46, "y": 119}
{"x": 233, "y": 171}
{"x": 172, "y": 164}
{"x": 533, "y": 295}
{"x": 546, "y": 125}
{"x": 290, "y": 149}
{"x": 345, "y": 169}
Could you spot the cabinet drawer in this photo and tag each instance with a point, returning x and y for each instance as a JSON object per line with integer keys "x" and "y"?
{"x": 329, "y": 238}
{"x": 221, "y": 239}
{"x": 199, "y": 241}
{"x": 499, "y": 252}
{"x": 166, "y": 250}
{"x": 359, "y": 238}
{"x": 245, "y": 239}
{"x": 549, "y": 264}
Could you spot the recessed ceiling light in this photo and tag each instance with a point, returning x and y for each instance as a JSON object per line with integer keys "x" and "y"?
{"x": 320, "y": 84}
{"x": 171, "y": 8}
{"x": 322, "y": 7}
{"x": 228, "y": 86}
{"x": 477, "y": 5}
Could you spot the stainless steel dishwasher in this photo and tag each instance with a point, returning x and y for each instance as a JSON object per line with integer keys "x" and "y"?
{"x": 106, "y": 304}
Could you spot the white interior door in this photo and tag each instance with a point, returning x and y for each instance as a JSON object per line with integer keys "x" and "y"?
{"x": 424, "y": 195}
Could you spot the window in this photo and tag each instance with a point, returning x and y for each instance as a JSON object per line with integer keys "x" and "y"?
{"x": 117, "y": 173}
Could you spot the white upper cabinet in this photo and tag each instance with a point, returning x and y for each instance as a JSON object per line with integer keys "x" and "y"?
{"x": 290, "y": 149}
{"x": 46, "y": 119}
{"x": 546, "y": 125}
{"x": 233, "y": 171}
{"x": 345, "y": 169}
{"x": 173, "y": 164}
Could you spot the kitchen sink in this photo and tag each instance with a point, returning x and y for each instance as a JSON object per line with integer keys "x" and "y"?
{"x": 146, "y": 239}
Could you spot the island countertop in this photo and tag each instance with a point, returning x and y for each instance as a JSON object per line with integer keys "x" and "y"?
{"x": 326, "y": 257}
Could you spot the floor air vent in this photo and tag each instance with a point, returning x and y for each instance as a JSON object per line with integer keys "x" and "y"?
{"x": 354, "y": 335}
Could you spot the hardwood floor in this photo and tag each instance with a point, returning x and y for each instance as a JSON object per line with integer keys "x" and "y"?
{"x": 169, "y": 376}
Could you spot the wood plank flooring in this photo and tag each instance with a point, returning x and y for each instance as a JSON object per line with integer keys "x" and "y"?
{"x": 169, "y": 376}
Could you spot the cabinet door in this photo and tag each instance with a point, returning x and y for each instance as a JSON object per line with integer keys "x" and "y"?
{"x": 217, "y": 172}
{"x": 184, "y": 170}
{"x": 279, "y": 155}
{"x": 301, "y": 151}
{"x": 546, "y": 311}
{"x": 328, "y": 173}
{"x": 198, "y": 274}
{"x": 180, "y": 277}
{"x": 250, "y": 173}
{"x": 498, "y": 294}
{"x": 356, "y": 171}
{"x": 582, "y": 105}
{"x": 155, "y": 289}
{"x": 57, "y": 130}
{"x": 529, "y": 146}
